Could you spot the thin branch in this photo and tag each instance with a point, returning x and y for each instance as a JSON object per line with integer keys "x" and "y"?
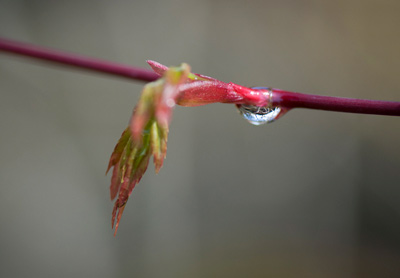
{"x": 280, "y": 97}
{"x": 77, "y": 61}
{"x": 338, "y": 104}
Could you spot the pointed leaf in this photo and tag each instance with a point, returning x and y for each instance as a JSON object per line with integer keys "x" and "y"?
{"x": 115, "y": 182}
{"x": 157, "y": 67}
{"x": 120, "y": 211}
{"x": 116, "y": 155}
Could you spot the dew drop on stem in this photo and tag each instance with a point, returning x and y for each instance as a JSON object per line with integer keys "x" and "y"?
{"x": 258, "y": 115}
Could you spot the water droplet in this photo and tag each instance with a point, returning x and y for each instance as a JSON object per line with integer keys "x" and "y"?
{"x": 258, "y": 115}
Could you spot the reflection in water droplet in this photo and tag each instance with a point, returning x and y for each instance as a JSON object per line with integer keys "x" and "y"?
{"x": 257, "y": 115}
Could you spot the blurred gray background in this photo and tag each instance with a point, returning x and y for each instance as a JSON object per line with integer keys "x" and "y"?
{"x": 315, "y": 194}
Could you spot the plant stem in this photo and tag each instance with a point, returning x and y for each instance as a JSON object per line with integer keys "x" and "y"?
{"x": 77, "y": 61}
{"x": 339, "y": 104}
{"x": 280, "y": 97}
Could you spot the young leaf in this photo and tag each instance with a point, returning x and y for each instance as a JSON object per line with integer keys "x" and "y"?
{"x": 146, "y": 136}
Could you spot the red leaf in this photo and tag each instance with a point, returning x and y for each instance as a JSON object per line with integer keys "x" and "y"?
{"x": 115, "y": 182}
{"x": 157, "y": 67}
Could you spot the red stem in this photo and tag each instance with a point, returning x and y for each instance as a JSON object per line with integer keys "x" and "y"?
{"x": 280, "y": 97}
{"x": 339, "y": 104}
{"x": 77, "y": 61}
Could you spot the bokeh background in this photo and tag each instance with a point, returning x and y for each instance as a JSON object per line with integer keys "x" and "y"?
{"x": 315, "y": 194}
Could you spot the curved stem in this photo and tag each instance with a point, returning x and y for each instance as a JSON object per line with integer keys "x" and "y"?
{"x": 77, "y": 61}
{"x": 280, "y": 97}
